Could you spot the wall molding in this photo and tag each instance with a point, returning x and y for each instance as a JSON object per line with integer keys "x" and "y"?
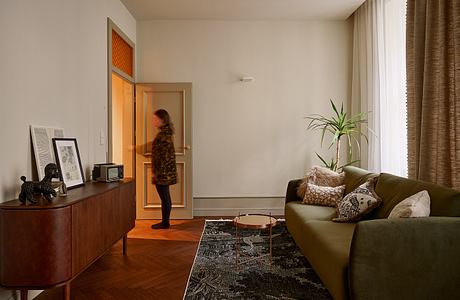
{"x": 232, "y": 206}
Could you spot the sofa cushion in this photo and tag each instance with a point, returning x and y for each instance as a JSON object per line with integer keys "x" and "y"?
{"x": 393, "y": 189}
{"x": 414, "y": 206}
{"x": 323, "y": 195}
{"x": 358, "y": 203}
{"x": 327, "y": 246}
{"x": 326, "y": 177}
{"x": 320, "y": 176}
{"x": 301, "y": 213}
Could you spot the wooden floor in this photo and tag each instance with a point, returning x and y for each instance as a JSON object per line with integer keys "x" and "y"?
{"x": 157, "y": 265}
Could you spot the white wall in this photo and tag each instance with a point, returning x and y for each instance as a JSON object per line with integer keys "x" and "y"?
{"x": 53, "y": 59}
{"x": 250, "y": 139}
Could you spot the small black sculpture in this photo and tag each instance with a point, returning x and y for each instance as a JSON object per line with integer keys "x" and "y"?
{"x": 28, "y": 188}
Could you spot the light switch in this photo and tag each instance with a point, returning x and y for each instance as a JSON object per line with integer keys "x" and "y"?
{"x": 101, "y": 137}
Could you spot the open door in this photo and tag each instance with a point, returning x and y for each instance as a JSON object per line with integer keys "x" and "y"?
{"x": 176, "y": 99}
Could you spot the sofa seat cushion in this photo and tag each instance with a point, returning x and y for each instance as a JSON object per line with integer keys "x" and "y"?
{"x": 305, "y": 212}
{"x": 326, "y": 245}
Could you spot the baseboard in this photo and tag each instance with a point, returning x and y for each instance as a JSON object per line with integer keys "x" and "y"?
{"x": 236, "y": 205}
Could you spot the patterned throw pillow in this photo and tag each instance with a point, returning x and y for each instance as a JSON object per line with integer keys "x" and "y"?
{"x": 323, "y": 195}
{"x": 326, "y": 177}
{"x": 320, "y": 176}
{"x": 358, "y": 203}
{"x": 417, "y": 205}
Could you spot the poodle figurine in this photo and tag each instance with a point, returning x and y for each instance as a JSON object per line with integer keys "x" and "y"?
{"x": 43, "y": 187}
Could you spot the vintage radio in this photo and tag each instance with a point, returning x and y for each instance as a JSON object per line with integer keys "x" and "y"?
{"x": 107, "y": 172}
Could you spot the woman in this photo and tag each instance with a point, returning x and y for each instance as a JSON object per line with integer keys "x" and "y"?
{"x": 163, "y": 163}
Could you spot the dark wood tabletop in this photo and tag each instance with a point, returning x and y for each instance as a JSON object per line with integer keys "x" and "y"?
{"x": 90, "y": 189}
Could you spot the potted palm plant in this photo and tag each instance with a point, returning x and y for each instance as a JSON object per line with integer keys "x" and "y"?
{"x": 339, "y": 126}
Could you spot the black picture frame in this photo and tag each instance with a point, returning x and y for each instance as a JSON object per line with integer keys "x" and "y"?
{"x": 69, "y": 162}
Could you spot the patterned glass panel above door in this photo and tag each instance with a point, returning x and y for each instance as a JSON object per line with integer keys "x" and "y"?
{"x": 122, "y": 54}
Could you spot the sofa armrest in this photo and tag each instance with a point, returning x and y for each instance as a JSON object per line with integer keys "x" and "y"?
{"x": 413, "y": 258}
{"x": 291, "y": 193}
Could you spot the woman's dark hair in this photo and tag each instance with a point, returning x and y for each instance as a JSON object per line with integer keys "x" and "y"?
{"x": 163, "y": 115}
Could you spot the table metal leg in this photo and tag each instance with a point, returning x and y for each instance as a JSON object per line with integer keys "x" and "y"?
{"x": 259, "y": 256}
{"x": 270, "y": 246}
{"x": 237, "y": 246}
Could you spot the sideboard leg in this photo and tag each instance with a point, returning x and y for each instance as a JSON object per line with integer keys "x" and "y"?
{"x": 24, "y": 294}
{"x": 125, "y": 244}
{"x": 67, "y": 291}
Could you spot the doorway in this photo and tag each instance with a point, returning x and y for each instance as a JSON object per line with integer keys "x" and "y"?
{"x": 130, "y": 129}
{"x": 122, "y": 125}
{"x": 121, "y": 99}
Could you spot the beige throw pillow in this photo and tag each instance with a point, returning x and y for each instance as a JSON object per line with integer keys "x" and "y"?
{"x": 417, "y": 205}
{"x": 358, "y": 203}
{"x": 320, "y": 176}
{"x": 325, "y": 177}
{"x": 323, "y": 195}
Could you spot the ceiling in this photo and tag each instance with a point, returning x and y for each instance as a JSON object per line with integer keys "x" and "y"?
{"x": 241, "y": 9}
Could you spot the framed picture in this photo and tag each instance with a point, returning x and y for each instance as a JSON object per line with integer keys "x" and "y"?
{"x": 68, "y": 161}
{"x": 43, "y": 146}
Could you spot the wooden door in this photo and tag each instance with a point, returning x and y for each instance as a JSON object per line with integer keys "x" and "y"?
{"x": 176, "y": 99}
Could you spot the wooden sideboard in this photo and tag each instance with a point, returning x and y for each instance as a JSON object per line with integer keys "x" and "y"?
{"x": 48, "y": 244}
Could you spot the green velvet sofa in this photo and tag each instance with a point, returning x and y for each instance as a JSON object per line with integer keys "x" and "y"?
{"x": 380, "y": 258}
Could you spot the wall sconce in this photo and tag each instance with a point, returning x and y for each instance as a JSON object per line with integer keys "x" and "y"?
{"x": 247, "y": 79}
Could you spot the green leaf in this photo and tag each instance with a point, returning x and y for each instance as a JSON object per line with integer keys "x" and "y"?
{"x": 348, "y": 164}
{"x": 332, "y": 165}
{"x": 339, "y": 125}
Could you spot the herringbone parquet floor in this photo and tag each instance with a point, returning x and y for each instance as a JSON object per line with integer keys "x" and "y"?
{"x": 157, "y": 266}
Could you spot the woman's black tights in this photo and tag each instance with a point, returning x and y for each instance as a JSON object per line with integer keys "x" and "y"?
{"x": 163, "y": 192}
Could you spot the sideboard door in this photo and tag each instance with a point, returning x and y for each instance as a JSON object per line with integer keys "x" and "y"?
{"x": 35, "y": 247}
{"x": 99, "y": 222}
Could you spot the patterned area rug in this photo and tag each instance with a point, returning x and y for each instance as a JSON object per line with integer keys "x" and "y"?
{"x": 214, "y": 275}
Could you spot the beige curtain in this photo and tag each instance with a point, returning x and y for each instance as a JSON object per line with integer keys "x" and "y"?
{"x": 379, "y": 84}
{"x": 433, "y": 90}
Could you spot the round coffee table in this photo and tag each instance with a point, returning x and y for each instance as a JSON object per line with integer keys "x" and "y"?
{"x": 253, "y": 221}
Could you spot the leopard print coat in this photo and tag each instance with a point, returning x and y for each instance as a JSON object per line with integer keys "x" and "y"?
{"x": 164, "y": 157}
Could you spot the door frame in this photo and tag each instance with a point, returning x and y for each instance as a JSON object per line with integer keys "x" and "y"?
{"x": 112, "y": 69}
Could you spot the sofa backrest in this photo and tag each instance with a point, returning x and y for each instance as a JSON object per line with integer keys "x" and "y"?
{"x": 354, "y": 177}
{"x": 393, "y": 189}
